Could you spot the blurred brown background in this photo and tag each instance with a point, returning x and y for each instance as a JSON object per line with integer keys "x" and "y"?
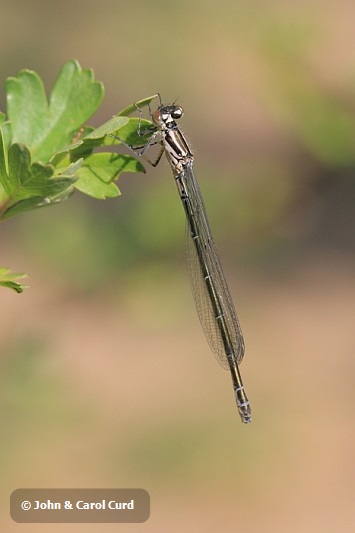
{"x": 106, "y": 378}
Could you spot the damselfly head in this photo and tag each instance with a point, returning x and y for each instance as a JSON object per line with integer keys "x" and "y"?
{"x": 166, "y": 114}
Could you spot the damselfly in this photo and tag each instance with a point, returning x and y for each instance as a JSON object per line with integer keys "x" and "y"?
{"x": 213, "y": 301}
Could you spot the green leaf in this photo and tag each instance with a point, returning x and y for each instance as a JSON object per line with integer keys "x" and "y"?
{"x": 23, "y": 180}
{"x": 7, "y": 279}
{"x": 28, "y": 180}
{"x": 44, "y": 146}
{"x": 5, "y": 127}
{"x": 47, "y": 128}
{"x": 98, "y": 172}
{"x": 133, "y": 108}
{"x": 128, "y": 133}
{"x": 97, "y": 137}
{"x": 114, "y": 124}
{"x": 35, "y": 203}
{"x": 3, "y": 170}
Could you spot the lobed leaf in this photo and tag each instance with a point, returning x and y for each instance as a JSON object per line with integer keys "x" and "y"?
{"x": 24, "y": 181}
{"x": 47, "y": 127}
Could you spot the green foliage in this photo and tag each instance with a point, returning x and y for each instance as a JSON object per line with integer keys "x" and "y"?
{"x": 9, "y": 280}
{"x": 45, "y": 127}
{"x": 46, "y": 152}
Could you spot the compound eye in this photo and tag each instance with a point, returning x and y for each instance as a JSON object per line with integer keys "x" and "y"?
{"x": 177, "y": 112}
